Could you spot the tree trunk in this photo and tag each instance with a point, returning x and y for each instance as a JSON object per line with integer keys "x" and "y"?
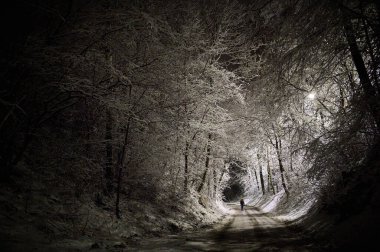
{"x": 186, "y": 181}
{"x": 204, "y": 175}
{"x": 261, "y": 176}
{"x": 376, "y": 29}
{"x": 374, "y": 64}
{"x": 270, "y": 182}
{"x": 187, "y": 148}
{"x": 257, "y": 181}
{"x": 209, "y": 185}
{"x": 369, "y": 90}
{"x": 108, "y": 136}
{"x": 215, "y": 183}
{"x": 291, "y": 161}
{"x": 121, "y": 162}
{"x": 109, "y": 153}
{"x": 282, "y": 170}
{"x": 221, "y": 177}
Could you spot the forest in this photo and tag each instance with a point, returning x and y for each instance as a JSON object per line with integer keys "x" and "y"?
{"x": 128, "y": 124}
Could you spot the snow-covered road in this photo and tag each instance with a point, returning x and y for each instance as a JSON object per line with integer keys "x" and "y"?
{"x": 248, "y": 230}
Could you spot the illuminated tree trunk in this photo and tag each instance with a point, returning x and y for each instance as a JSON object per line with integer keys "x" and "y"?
{"x": 257, "y": 181}
{"x": 261, "y": 175}
{"x": 282, "y": 170}
{"x": 204, "y": 175}
{"x": 270, "y": 180}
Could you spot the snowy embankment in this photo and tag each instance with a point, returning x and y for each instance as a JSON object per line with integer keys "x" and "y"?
{"x": 285, "y": 208}
{"x": 301, "y": 213}
{"x": 48, "y": 219}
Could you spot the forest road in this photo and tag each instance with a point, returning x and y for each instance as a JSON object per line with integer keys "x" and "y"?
{"x": 247, "y": 230}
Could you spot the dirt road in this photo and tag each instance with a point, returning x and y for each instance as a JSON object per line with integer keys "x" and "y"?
{"x": 248, "y": 230}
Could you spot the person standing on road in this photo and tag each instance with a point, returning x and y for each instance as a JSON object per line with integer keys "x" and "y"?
{"x": 242, "y": 204}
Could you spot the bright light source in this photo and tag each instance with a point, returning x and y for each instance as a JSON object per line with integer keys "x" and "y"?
{"x": 311, "y": 96}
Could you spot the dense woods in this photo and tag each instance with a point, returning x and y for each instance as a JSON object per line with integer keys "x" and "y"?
{"x": 113, "y": 104}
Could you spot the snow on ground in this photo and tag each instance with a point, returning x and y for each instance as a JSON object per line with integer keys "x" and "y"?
{"x": 272, "y": 204}
{"x": 48, "y": 218}
{"x": 222, "y": 207}
{"x": 298, "y": 212}
{"x": 289, "y": 210}
{"x": 267, "y": 203}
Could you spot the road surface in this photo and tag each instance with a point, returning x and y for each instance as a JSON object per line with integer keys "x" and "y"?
{"x": 248, "y": 230}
